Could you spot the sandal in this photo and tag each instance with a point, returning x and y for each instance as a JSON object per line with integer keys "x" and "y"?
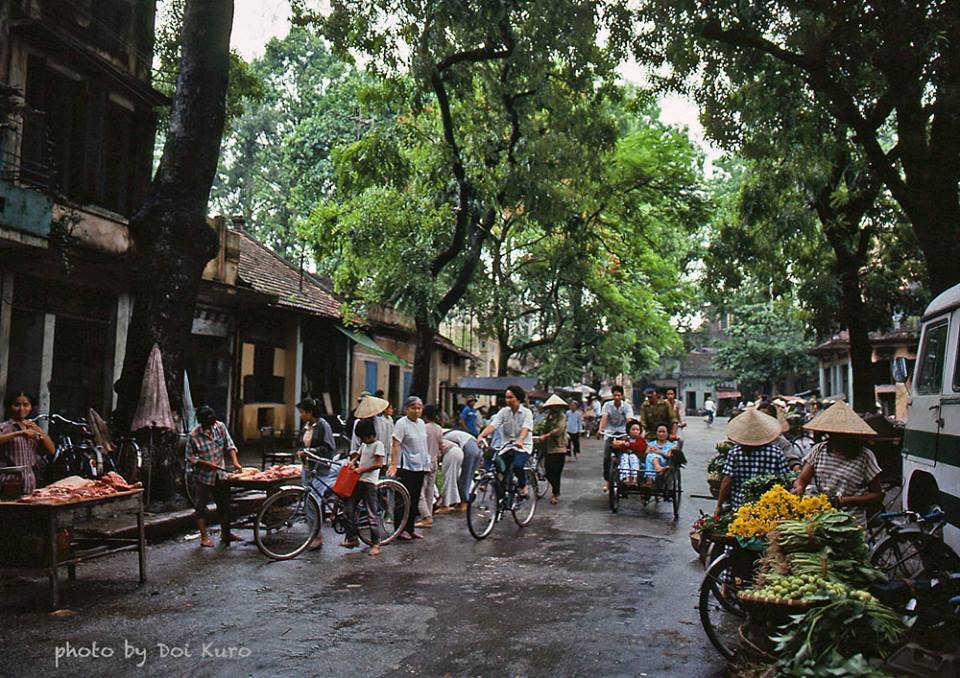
{"x": 374, "y": 550}
{"x": 206, "y": 543}
{"x": 554, "y": 500}
{"x": 315, "y": 544}
{"x": 350, "y": 543}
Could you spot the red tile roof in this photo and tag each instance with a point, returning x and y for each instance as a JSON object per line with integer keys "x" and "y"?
{"x": 265, "y": 271}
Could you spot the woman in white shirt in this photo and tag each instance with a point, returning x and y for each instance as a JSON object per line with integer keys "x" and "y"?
{"x": 410, "y": 461}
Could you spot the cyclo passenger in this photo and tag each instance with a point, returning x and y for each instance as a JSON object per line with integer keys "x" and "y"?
{"x": 515, "y": 422}
{"x": 633, "y": 452}
{"x": 613, "y": 421}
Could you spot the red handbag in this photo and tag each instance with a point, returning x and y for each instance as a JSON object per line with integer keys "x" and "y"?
{"x": 346, "y": 481}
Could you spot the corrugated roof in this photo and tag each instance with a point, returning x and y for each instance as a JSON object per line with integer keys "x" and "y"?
{"x": 266, "y": 271}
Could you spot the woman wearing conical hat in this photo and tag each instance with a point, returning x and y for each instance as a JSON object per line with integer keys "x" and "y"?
{"x": 841, "y": 467}
{"x": 754, "y": 453}
{"x": 557, "y": 440}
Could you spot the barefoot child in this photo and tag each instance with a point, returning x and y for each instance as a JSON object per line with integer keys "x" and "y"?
{"x": 368, "y": 466}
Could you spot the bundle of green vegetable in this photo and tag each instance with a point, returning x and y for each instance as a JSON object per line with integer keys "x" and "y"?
{"x": 719, "y": 460}
{"x": 830, "y": 545}
{"x": 838, "y": 638}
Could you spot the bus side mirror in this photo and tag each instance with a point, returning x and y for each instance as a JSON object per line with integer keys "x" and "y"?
{"x": 898, "y": 370}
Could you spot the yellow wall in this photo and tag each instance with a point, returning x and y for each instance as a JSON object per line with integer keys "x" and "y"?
{"x": 284, "y": 365}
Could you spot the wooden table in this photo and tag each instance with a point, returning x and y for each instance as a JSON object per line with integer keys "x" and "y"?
{"x": 45, "y": 521}
{"x": 268, "y": 487}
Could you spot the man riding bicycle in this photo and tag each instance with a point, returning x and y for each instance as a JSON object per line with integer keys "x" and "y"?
{"x": 613, "y": 421}
{"x": 515, "y": 422}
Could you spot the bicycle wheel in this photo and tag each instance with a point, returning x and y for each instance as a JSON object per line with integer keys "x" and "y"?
{"x": 190, "y": 487}
{"x": 524, "y": 507}
{"x": 392, "y": 495}
{"x": 282, "y": 529}
{"x": 720, "y": 610}
{"x": 543, "y": 485}
{"x": 613, "y": 493}
{"x": 676, "y": 493}
{"x": 909, "y": 555}
{"x": 482, "y": 508}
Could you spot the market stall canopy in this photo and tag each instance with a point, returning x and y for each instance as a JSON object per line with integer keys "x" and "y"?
{"x": 581, "y": 389}
{"x": 726, "y": 395}
{"x": 373, "y": 347}
{"x": 493, "y": 385}
{"x": 153, "y": 410}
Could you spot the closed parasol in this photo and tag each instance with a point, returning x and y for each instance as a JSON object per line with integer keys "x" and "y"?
{"x": 153, "y": 410}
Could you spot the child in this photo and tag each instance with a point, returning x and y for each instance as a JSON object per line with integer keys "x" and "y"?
{"x": 368, "y": 466}
{"x": 632, "y": 451}
{"x": 658, "y": 452}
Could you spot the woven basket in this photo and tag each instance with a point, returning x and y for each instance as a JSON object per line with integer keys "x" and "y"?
{"x": 714, "y": 484}
{"x": 696, "y": 539}
{"x": 775, "y": 612}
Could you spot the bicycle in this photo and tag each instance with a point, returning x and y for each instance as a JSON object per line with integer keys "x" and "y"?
{"x": 721, "y": 612}
{"x": 915, "y": 548}
{"x": 495, "y": 492}
{"x": 537, "y": 463}
{"x": 76, "y": 459}
{"x": 283, "y": 527}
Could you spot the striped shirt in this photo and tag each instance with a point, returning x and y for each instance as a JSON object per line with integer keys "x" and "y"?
{"x": 209, "y": 446}
{"x": 21, "y": 451}
{"x": 837, "y": 474}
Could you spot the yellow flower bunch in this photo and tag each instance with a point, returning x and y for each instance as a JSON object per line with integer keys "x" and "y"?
{"x": 775, "y": 506}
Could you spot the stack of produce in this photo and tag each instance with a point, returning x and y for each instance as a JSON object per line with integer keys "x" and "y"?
{"x": 818, "y": 566}
{"x": 715, "y": 467}
{"x": 708, "y": 529}
{"x": 771, "y": 509}
{"x": 755, "y": 487}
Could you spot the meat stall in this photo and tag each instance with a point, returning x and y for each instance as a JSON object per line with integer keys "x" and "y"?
{"x": 57, "y": 527}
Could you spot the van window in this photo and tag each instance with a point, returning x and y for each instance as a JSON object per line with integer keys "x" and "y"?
{"x": 930, "y": 375}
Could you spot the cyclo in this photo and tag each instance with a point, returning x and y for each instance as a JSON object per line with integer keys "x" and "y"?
{"x": 667, "y": 486}
{"x": 290, "y": 518}
{"x": 495, "y": 491}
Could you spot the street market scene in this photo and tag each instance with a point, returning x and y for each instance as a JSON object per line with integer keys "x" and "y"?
{"x": 480, "y": 338}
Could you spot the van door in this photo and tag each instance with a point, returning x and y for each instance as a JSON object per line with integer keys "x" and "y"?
{"x": 922, "y": 437}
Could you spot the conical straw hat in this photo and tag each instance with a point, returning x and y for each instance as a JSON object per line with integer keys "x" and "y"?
{"x": 555, "y": 401}
{"x": 753, "y": 428}
{"x": 782, "y": 418}
{"x": 840, "y": 418}
{"x": 370, "y": 406}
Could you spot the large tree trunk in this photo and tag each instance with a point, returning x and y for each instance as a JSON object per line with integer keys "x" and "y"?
{"x": 423, "y": 358}
{"x": 861, "y": 353}
{"x": 173, "y": 241}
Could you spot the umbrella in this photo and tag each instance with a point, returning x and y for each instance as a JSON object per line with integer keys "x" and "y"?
{"x": 153, "y": 410}
{"x": 582, "y": 389}
{"x": 189, "y": 413}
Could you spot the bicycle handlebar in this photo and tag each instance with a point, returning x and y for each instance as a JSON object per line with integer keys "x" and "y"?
{"x": 55, "y": 418}
{"x": 936, "y": 514}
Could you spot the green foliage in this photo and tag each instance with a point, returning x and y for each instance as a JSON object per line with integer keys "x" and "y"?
{"x": 245, "y": 85}
{"x": 278, "y": 159}
{"x": 767, "y": 344}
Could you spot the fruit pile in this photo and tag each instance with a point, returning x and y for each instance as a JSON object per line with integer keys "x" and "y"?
{"x": 803, "y": 586}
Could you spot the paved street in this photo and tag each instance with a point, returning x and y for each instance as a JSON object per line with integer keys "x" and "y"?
{"x": 580, "y": 591}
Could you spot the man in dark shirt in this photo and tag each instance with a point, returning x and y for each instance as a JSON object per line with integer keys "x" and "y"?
{"x": 655, "y": 412}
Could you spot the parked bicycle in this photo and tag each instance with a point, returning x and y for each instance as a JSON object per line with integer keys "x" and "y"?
{"x": 538, "y": 464}
{"x": 290, "y": 519}
{"x": 721, "y": 612}
{"x": 495, "y": 492}
{"x": 913, "y": 546}
{"x": 76, "y": 454}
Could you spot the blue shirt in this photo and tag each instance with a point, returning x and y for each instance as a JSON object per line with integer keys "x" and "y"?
{"x": 470, "y": 416}
{"x": 574, "y": 421}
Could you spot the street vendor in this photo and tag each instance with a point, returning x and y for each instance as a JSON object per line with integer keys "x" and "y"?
{"x": 207, "y": 448}
{"x": 841, "y": 467}
{"x": 754, "y": 453}
{"x": 22, "y": 442}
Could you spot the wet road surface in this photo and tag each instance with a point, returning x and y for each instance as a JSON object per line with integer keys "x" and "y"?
{"x": 581, "y": 591}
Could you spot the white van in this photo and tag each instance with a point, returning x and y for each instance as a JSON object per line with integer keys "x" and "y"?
{"x": 931, "y": 442}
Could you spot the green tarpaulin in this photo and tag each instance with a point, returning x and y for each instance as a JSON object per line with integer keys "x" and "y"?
{"x": 371, "y": 346}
